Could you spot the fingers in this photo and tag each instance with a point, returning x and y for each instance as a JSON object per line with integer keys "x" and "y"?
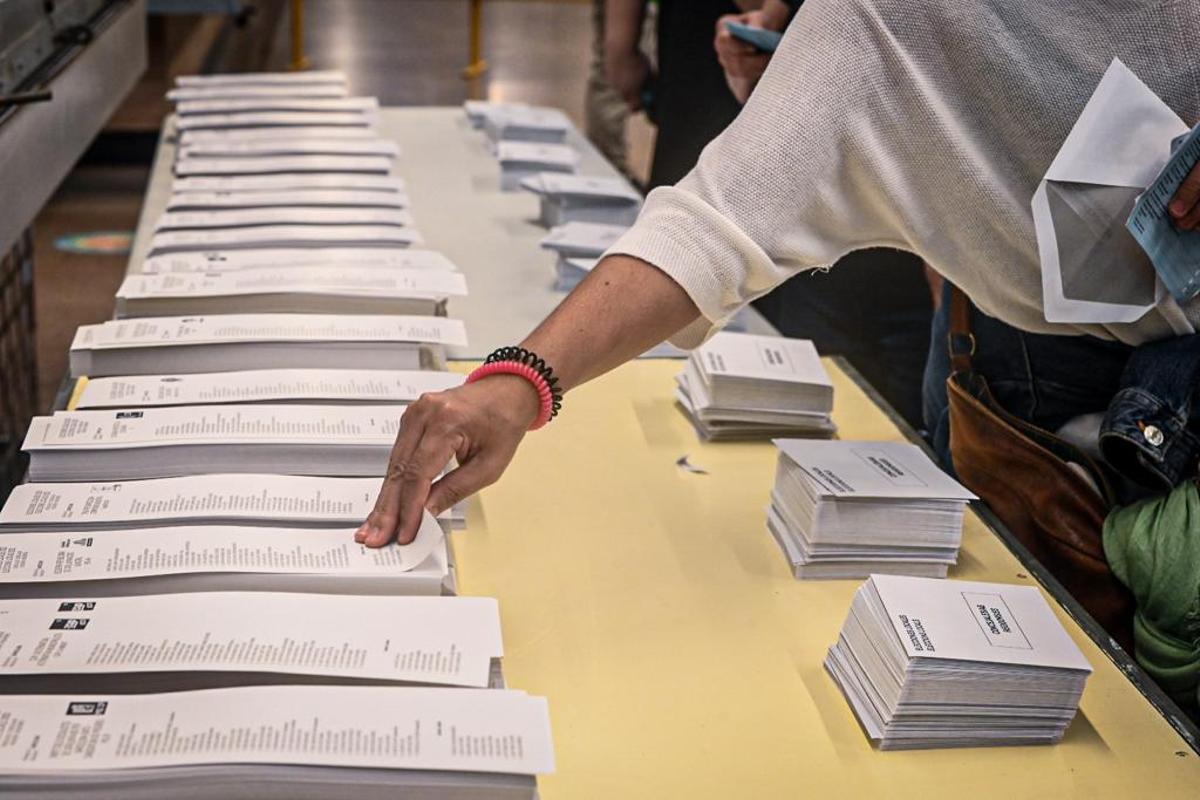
{"x": 382, "y": 523}
{"x": 1185, "y": 206}
{"x": 465, "y": 480}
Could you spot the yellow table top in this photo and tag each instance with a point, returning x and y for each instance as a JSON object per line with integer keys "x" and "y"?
{"x": 681, "y": 658}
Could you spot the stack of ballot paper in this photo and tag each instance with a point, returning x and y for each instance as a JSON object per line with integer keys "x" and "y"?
{"x": 214, "y": 558}
{"x": 520, "y": 160}
{"x": 166, "y": 442}
{"x": 306, "y": 290}
{"x": 275, "y": 258}
{"x": 927, "y": 663}
{"x": 167, "y": 642}
{"x": 251, "y": 742}
{"x": 546, "y": 125}
{"x": 325, "y": 386}
{"x": 231, "y": 342}
{"x": 237, "y": 499}
{"x": 745, "y": 386}
{"x": 850, "y": 509}
{"x": 583, "y": 198}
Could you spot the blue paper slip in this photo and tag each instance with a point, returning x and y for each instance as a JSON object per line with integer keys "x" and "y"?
{"x": 1174, "y": 253}
{"x": 761, "y": 38}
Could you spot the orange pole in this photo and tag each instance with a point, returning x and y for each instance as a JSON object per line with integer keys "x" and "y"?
{"x": 477, "y": 65}
{"x": 299, "y": 60}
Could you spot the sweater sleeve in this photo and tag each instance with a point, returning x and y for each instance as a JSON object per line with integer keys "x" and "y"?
{"x": 792, "y": 184}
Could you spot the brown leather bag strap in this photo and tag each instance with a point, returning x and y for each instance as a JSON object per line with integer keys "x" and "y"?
{"x": 961, "y": 341}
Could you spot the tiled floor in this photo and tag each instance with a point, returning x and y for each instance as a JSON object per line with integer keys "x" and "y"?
{"x": 407, "y": 52}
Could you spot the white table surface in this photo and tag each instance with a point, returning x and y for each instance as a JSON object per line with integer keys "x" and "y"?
{"x": 454, "y": 184}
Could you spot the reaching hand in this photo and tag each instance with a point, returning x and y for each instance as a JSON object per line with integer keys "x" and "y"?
{"x": 628, "y": 71}
{"x": 480, "y": 424}
{"x": 1185, "y": 206}
{"x": 744, "y": 63}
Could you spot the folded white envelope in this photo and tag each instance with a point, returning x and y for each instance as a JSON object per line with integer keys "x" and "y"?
{"x": 1093, "y": 271}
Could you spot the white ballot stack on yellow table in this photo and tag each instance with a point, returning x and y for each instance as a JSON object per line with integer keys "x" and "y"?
{"x": 850, "y": 509}
{"x": 927, "y": 663}
{"x": 226, "y": 342}
{"x": 746, "y": 386}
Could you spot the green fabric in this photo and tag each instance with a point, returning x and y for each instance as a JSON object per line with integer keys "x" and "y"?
{"x": 1153, "y": 547}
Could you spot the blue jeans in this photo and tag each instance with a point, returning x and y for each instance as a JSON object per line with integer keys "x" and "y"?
{"x": 1045, "y": 380}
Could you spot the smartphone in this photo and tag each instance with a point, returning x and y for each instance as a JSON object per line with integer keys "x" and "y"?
{"x": 761, "y": 38}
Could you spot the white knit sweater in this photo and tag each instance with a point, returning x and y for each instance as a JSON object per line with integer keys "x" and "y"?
{"x": 923, "y": 125}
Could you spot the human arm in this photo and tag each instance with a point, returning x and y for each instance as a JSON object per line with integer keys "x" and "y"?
{"x": 625, "y": 65}
{"x": 786, "y": 188}
{"x": 624, "y": 307}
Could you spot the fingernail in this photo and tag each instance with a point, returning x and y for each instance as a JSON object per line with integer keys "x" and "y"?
{"x": 361, "y": 533}
{"x": 1178, "y": 208}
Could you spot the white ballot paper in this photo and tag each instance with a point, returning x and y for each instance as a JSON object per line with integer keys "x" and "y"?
{"x": 230, "y": 342}
{"x": 285, "y": 215}
{"x": 467, "y": 730}
{"x": 358, "y": 386}
{"x": 185, "y": 138}
{"x": 519, "y": 160}
{"x": 438, "y": 640}
{"x": 197, "y": 500}
{"x": 971, "y": 621}
{"x": 477, "y": 111}
{"x": 294, "y": 78}
{"x": 1093, "y": 271}
{"x": 157, "y": 332}
{"x": 318, "y": 198}
{"x": 278, "y": 236}
{"x": 871, "y": 469}
{"x": 272, "y": 258}
{"x": 205, "y": 558}
{"x": 527, "y": 125}
{"x": 278, "y": 119}
{"x": 270, "y": 165}
{"x": 583, "y": 198}
{"x": 551, "y": 157}
{"x": 263, "y": 424}
{"x": 303, "y": 145}
{"x": 288, "y": 182}
{"x": 333, "y": 280}
{"x": 300, "y": 289}
{"x": 251, "y": 92}
{"x": 272, "y": 103}
{"x": 171, "y": 441}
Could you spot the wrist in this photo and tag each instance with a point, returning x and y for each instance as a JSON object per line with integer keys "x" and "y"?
{"x": 530, "y": 368}
{"x": 519, "y": 400}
